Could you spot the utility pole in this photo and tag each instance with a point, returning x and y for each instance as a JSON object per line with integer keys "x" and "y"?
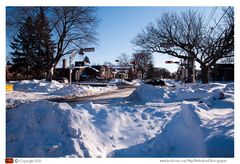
{"x": 193, "y": 70}
{"x": 72, "y": 55}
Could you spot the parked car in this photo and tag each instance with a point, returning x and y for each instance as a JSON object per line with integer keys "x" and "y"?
{"x": 61, "y": 79}
{"x": 155, "y": 82}
{"x": 187, "y": 80}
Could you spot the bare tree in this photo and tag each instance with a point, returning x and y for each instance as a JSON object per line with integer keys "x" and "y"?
{"x": 124, "y": 60}
{"x": 142, "y": 62}
{"x": 72, "y": 28}
{"x": 109, "y": 64}
{"x": 186, "y": 36}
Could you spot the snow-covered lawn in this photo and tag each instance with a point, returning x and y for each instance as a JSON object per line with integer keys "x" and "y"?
{"x": 190, "y": 121}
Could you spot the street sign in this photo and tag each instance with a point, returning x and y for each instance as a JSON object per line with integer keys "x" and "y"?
{"x": 89, "y": 49}
{"x": 168, "y": 62}
{"x": 82, "y": 50}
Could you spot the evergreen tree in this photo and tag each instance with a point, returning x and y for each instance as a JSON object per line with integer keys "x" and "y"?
{"x": 23, "y": 46}
{"x": 45, "y": 46}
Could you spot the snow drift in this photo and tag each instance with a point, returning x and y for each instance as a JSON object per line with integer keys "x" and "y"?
{"x": 59, "y": 89}
{"x": 146, "y": 92}
{"x": 187, "y": 135}
{"x": 197, "y": 91}
{"x": 161, "y": 126}
{"x": 31, "y": 90}
{"x": 45, "y": 129}
{"x": 122, "y": 82}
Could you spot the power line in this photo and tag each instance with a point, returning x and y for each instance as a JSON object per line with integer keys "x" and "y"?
{"x": 211, "y": 15}
{"x": 212, "y": 29}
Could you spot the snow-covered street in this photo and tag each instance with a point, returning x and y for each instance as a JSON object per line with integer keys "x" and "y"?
{"x": 185, "y": 121}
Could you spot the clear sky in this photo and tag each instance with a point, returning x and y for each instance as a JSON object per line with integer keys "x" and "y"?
{"x": 119, "y": 25}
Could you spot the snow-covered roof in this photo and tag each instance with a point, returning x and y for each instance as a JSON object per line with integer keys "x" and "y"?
{"x": 96, "y": 70}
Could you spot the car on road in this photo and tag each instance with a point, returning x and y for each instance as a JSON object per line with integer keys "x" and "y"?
{"x": 155, "y": 82}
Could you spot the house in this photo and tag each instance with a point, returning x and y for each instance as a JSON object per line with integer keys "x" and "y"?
{"x": 96, "y": 72}
{"x": 222, "y": 72}
{"x": 85, "y": 72}
{"x": 121, "y": 72}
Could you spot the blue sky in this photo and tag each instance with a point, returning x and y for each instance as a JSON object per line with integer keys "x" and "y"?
{"x": 119, "y": 25}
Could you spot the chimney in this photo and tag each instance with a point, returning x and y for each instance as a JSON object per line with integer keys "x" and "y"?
{"x": 64, "y": 64}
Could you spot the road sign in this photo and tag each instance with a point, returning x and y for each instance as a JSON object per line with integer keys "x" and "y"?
{"x": 89, "y": 49}
{"x": 168, "y": 62}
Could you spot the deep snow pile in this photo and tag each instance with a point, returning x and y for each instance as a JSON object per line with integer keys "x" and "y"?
{"x": 79, "y": 90}
{"x": 56, "y": 88}
{"x": 49, "y": 129}
{"x": 122, "y": 82}
{"x": 36, "y": 85}
{"x": 194, "y": 132}
{"x": 146, "y": 92}
{"x": 196, "y": 91}
{"x": 45, "y": 129}
{"x": 151, "y": 122}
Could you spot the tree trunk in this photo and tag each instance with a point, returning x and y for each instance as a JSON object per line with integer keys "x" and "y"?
{"x": 50, "y": 74}
{"x": 205, "y": 72}
{"x": 52, "y": 67}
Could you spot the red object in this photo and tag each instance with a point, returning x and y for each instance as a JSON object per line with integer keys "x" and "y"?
{"x": 9, "y": 160}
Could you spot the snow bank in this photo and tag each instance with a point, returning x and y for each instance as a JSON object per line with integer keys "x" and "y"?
{"x": 216, "y": 95}
{"x": 198, "y": 91}
{"x": 187, "y": 135}
{"x": 229, "y": 88}
{"x": 182, "y": 137}
{"x": 146, "y": 93}
{"x": 37, "y": 85}
{"x": 79, "y": 90}
{"x": 45, "y": 129}
{"x": 120, "y": 82}
{"x": 32, "y": 90}
{"x": 56, "y": 88}
{"x": 155, "y": 128}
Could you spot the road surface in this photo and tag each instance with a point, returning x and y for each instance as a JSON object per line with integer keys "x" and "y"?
{"x": 103, "y": 98}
